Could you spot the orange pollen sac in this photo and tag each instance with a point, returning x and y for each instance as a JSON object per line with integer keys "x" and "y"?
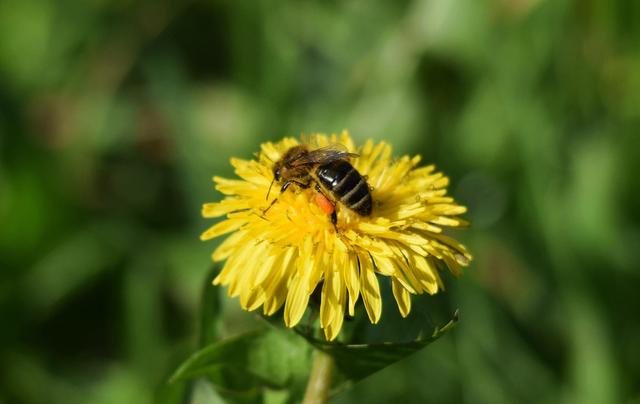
{"x": 324, "y": 204}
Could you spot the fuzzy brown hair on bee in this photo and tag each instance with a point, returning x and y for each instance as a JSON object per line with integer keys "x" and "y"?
{"x": 329, "y": 170}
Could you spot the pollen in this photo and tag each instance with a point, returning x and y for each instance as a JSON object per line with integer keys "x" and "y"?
{"x": 324, "y": 203}
{"x": 274, "y": 260}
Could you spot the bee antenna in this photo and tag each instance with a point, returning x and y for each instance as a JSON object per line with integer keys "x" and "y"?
{"x": 270, "y": 185}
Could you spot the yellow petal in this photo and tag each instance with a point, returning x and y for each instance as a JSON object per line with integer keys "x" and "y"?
{"x": 223, "y": 227}
{"x": 253, "y": 299}
{"x": 240, "y": 285}
{"x": 446, "y": 221}
{"x": 346, "y": 140}
{"x": 277, "y": 285}
{"x": 211, "y": 210}
{"x": 351, "y": 278}
{"x": 387, "y": 267}
{"x": 329, "y": 300}
{"x": 425, "y": 273}
{"x": 230, "y": 270}
{"x": 426, "y": 227}
{"x": 297, "y": 300}
{"x": 222, "y": 277}
{"x": 402, "y": 296}
{"x": 401, "y": 262}
{"x": 333, "y": 329}
{"x": 238, "y": 187}
{"x": 228, "y": 246}
{"x": 299, "y": 291}
{"x": 369, "y": 288}
{"x": 319, "y": 265}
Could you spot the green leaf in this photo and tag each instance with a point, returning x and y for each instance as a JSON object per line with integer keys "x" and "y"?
{"x": 357, "y": 361}
{"x": 274, "y": 363}
{"x": 210, "y": 310}
{"x": 244, "y": 367}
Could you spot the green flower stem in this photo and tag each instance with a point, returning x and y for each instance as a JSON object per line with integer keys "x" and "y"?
{"x": 320, "y": 380}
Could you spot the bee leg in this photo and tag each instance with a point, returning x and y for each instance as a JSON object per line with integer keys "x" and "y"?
{"x": 285, "y": 186}
{"x": 334, "y": 219}
{"x": 273, "y": 202}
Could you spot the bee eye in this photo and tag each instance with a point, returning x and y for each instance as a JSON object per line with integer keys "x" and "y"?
{"x": 276, "y": 174}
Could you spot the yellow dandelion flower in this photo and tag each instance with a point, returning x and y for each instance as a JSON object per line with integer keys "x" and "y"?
{"x": 278, "y": 256}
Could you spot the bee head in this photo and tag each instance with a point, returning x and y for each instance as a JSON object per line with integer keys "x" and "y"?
{"x": 277, "y": 174}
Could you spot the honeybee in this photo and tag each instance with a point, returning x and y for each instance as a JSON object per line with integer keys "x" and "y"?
{"x": 329, "y": 169}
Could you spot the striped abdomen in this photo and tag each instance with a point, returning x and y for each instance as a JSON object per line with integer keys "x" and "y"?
{"x": 346, "y": 185}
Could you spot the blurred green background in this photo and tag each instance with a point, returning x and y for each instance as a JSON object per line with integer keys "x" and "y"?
{"x": 114, "y": 115}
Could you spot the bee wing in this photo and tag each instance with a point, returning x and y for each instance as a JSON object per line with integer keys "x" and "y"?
{"x": 325, "y": 154}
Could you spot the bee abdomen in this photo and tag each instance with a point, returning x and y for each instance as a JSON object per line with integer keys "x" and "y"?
{"x": 347, "y": 185}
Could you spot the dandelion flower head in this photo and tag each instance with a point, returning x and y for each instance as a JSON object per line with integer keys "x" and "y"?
{"x": 279, "y": 257}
